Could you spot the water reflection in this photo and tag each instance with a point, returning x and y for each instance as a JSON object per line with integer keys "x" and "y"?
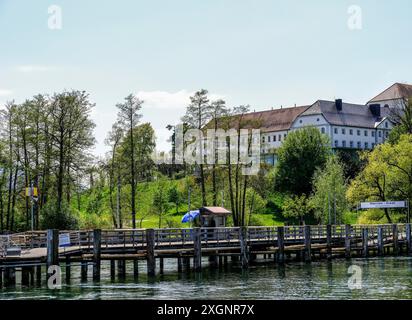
{"x": 382, "y": 278}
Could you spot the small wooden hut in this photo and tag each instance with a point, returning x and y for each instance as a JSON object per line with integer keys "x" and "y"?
{"x": 213, "y": 216}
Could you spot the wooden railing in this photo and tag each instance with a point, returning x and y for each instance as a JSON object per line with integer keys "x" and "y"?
{"x": 211, "y": 237}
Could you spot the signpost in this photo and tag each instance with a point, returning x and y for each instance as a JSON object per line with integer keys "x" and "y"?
{"x": 387, "y": 205}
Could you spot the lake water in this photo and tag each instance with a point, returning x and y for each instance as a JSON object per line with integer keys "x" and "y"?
{"x": 382, "y": 278}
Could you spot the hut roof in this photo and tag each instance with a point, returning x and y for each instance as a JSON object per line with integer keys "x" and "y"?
{"x": 218, "y": 211}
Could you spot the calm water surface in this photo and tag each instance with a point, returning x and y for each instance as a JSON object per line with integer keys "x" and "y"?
{"x": 382, "y": 278}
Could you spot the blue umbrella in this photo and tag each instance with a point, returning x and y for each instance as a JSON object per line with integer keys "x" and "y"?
{"x": 190, "y": 216}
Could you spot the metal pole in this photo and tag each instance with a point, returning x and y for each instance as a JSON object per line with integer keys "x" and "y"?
{"x": 32, "y": 204}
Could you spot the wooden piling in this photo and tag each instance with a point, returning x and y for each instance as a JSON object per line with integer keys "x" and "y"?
{"x": 365, "y": 242}
{"x": 179, "y": 264}
{"x": 380, "y": 241}
{"x": 112, "y": 269}
{"x": 308, "y": 255}
{"x": 38, "y": 275}
{"x": 97, "y": 240}
{"x": 1, "y": 277}
{"x": 244, "y": 251}
{"x": 329, "y": 241}
{"x": 121, "y": 268}
{"x": 395, "y": 239}
{"x": 83, "y": 270}
{"x": 25, "y": 276}
{"x": 136, "y": 269}
{"x": 68, "y": 269}
{"x": 348, "y": 229}
{"x": 161, "y": 265}
{"x": 408, "y": 239}
{"x": 52, "y": 247}
{"x": 150, "y": 245}
{"x": 281, "y": 245}
{"x": 9, "y": 277}
{"x": 197, "y": 256}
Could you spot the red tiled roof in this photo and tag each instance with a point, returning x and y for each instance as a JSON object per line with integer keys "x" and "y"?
{"x": 395, "y": 91}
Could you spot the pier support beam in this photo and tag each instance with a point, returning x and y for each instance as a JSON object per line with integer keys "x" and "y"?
{"x": 380, "y": 241}
{"x": 121, "y": 269}
{"x": 179, "y": 264}
{"x": 1, "y": 277}
{"x": 112, "y": 269}
{"x": 9, "y": 277}
{"x": 365, "y": 242}
{"x": 52, "y": 249}
{"x": 244, "y": 250}
{"x": 97, "y": 241}
{"x": 348, "y": 229}
{"x": 197, "y": 256}
{"x": 151, "y": 261}
{"x": 308, "y": 254}
{"x": 25, "y": 276}
{"x": 83, "y": 271}
{"x": 408, "y": 239}
{"x": 329, "y": 242}
{"x": 136, "y": 269}
{"x": 161, "y": 265}
{"x": 38, "y": 275}
{"x": 395, "y": 239}
{"x": 281, "y": 245}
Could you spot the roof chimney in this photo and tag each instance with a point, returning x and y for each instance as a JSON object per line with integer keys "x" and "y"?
{"x": 375, "y": 109}
{"x": 338, "y": 104}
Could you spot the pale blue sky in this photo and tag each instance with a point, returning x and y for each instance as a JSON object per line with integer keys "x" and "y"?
{"x": 258, "y": 52}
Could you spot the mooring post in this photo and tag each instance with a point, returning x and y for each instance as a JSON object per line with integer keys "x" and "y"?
{"x": 97, "y": 242}
{"x": 329, "y": 241}
{"x": 161, "y": 265}
{"x": 395, "y": 239}
{"x": 150, "y": 245}
{"x": 52, "y": 247}
{"x": 408, "y": 239}
{"x": 1, "y": 277}
{"x": 25, "y": 276}
{"x": 380, "y": 241}
{"x": 281, "y": 244}
{"x": 9, "y": 277}
{"x": 136, "y": 269}
{"x": 244, "y": 254}
{"x": 121, "y": 268}
{"x": 197, "y": 256}
{"x": 365, "y": 242}
{"x": 52, "y": 242}
{"x": 348, "y": 230}
{"x": 38, "y": 275}
{"x": 308, "y": 255}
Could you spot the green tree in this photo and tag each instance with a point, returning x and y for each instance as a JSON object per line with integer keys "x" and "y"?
{"x": 296, "y": 208}
{"x": 302, "y": 153}
{"x": 175, "y": 197}
{"x": 401, "y": 116}
{"x": 329, "y": 195}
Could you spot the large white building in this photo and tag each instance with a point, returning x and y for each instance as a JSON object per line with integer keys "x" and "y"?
{"x": 349, "y": 126}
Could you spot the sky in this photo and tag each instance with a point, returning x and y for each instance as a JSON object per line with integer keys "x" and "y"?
{"x": 265, "y": 53}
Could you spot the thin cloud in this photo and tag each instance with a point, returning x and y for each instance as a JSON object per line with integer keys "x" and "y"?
{"x": 5, "y": 92}
{"x": 169, "y": 100}
{"x": 34, "y": 68}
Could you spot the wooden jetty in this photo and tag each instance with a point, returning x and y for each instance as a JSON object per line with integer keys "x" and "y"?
{"x": 244, "y": 245}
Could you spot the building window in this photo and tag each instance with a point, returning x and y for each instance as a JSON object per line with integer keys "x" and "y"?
{"x": 268, "y": 138}
{"x": 373, "y": 133}
{"x": 366, "y": 133}
{"x": 343, "y": 131}
{"x": 274, "y": 138}
{"x": 284, "y": 136}
{"x": 386, "y": 134}
{"x": 263, "y": 139}
{"x": 280, "y": 138}
{"x": 351, "y": 144}
{"x": 336, "y": 143}
{"x": 300, "y": 121}
{"x": 373, "y": 145}
{"x": 380, "y": 134}
{"x": 344, "y": 144}
{"x": 366, "y": 145}
{"x": 317, "y": 119}
{"x": 359, "y": 145}
{"x": 351, "y": 132}
{"x": 323, "y": 130}
{"x": 386, "y": 125}
{"x": 358, "y": 132}
{"x": 336, "y": 130}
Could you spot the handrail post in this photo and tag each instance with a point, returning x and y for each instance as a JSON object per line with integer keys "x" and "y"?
{"x": 281, "y": 244}
{"x": 244, "y": 254}
{"x": 197, "y": 256}
{"x": 348, "y": 240}
{"x": 150, "y": 245}
{"x": 395, "y": 239}
{"x": 380, "y": 241}
{"x": 307, "y": 240}
{"x": 365, "y": 242}
{"x": 97, "y": 239}
{"x": 329, "y": 241}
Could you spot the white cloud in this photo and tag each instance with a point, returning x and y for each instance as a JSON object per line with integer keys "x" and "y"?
{"x": 5, "y": 92}
{"x": 169, "y": 100}
{"x": 34, "y": 68}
